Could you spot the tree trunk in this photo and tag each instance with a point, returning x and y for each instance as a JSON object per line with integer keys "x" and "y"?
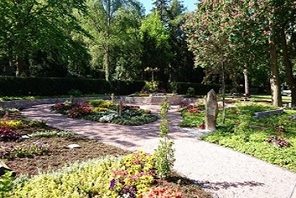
{"x": 107, "y": 49}
{"x": 247, "y": 86}
{"x": 274, "y": 78}
{"x": 223, "y": 93}
{"x": 107, "y": 63}
{"x": 21, "y": 67}
{"x": 290, "y": 78}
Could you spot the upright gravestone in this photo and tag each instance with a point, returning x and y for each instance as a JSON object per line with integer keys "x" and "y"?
{"x": 211, "y": 111}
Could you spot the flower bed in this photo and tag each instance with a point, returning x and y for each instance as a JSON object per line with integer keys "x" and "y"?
{"x": 129, "y": 176}
{"x": 105, "y": 111}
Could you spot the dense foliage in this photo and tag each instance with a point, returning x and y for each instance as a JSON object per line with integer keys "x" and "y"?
{"x": 111, "y": 39}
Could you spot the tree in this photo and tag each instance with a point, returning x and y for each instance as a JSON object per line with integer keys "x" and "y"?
{"x": 156, "y": 48}
{"x": 111, "y": 24}
{"x": 209, "y": 32}
{"x": 161, "y": 6}
{"x": 31, "y": 26}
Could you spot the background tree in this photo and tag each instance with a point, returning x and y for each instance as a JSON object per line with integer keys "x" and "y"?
{"x": 156, "y": 48}
{"x": 114, "y": 41}
{"x": 30, "y": 27}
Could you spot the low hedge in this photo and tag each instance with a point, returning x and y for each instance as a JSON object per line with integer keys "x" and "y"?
{"x": 13, "y": 86}
{"x": 50, "y": 86}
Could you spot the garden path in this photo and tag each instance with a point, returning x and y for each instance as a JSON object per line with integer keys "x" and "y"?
{"x": 221, "y": 171}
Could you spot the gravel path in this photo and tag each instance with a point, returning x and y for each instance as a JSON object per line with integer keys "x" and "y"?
{"x": 221, "y": 171}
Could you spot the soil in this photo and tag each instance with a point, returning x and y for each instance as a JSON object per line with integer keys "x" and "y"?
{"x": 188, "y": 188}
{"x": 59, "y": 155}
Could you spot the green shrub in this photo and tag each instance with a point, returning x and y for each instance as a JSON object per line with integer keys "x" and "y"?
{"x": 6, "y": 184}
{"x": 151, "y": 86}
{"x": 24, "y": 152}
{"x": 200, "y": 89}
{"x": 173, "y": 87}
{"x": 36, "y": 123}
{"x": 75, "y": 92}
{"x": 101, "y": 103}
{"x": 164, "y": 154}
{"x": 135, "y": 120}
{"x": 190, "y": 92}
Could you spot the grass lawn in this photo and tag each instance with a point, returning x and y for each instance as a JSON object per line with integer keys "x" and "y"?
{"x": 271, "y": 139}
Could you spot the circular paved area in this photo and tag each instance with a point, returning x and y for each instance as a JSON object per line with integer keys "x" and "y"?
{"x": 221, "y": 171}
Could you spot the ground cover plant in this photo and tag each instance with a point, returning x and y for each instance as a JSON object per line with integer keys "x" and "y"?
{"x": 272, "y": 139}
{"x": 106, "y": 111}
{"x": 132, "y": 175}
{"x": 192, "y": 116}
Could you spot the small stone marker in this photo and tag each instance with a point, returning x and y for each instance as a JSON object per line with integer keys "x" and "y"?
{"x": 293, "y": 117}
{"x": 25, "y": 137}
{"x": 211, "y": 111}
{"x": 4, "y": 168}
{"x": 73, "y": 146}
{"x": 264, "y": 114}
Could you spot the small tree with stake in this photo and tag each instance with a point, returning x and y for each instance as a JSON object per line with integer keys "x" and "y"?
{"x": 164, "y": 154}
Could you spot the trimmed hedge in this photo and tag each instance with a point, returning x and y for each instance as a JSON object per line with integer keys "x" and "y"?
{"x": 50, "y": 86}
{"x": 13, "y": 86}
{"x": 200, "y": 89}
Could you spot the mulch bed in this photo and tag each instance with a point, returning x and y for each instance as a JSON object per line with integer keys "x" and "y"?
{"x": 59, "y": 155}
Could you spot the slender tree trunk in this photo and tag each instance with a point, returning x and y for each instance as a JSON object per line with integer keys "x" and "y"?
{"x": 107, "y": 63}
{"x": 223, "y": 93}
{"x": 21, "y": 67}
{"x": 290, "y": 78}
{"x": 274, "y": 78}
{"x": 247, "y": 86}
{"x": 107, "y": 49}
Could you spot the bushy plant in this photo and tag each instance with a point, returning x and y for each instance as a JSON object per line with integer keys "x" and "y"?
{"x": 173, "y": 87}
{"x": 62, "y": 107}
{"x": 12, "y": 124}
{"x": 75, "y": 92}
{"x": 135, "y": 176}
{"x": 164, "y": 154}
{"x": 101, "y": 103}
{"x": 36, "y": 123}
{"x": 190, "y": 92}
{"x": 24, "y": 151}
{"x": 79, "y": 110}
{"x": 135, "y": 120}
{"x": 49, "y": 134}
{"x": 164, "y": 192}
{"x": 6, "y": 184}
{"x": 100, "y": 109}
{"x": 7, "y": 134}
{"x": 151, "y": 86}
